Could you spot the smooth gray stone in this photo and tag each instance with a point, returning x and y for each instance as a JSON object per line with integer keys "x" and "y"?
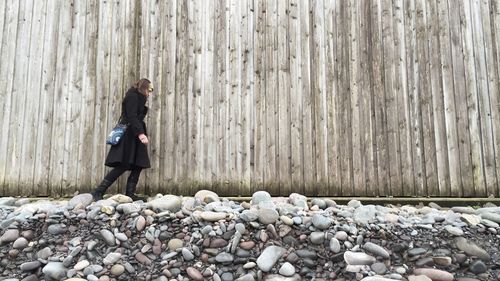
{"x": 224, "y": 258}
{"x": 29, "y": 266}
{"x": 260, "y": 196}
{"x": 376, "y": 250}
{"x": 472, "y": 249}
{"x": 83, "y": 199}
{"x": 269, "y": 257}
{"x": 55, "y": 270}
{"x": 108, "y": 237}
{"x": 491, "y": 216}
{"x": 321, "y": 222}
{"x": 358, "y": 258}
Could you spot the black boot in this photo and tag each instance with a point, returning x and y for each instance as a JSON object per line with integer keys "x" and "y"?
{"x": 130, "y": 192}
{"x": 101, "y": 189}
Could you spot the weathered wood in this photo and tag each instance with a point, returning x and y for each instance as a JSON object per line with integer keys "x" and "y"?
{"x": 391, "y": 100}
{"x": 331, "y": 29}
{"x": 495, "y": 98}
{"x": 283, "y": 100}
{"x": 459, "y": 85}
{"x": 356, "y": 95}
{"x": 181, "y": 102}
{"x": 246, "y": 53}
{"x": 436, "y": 110}
{"x": 16, "y": 145}
{"x": 425, "y": 102}
{"x": 449, "y": 101}
{"x": 72, "y": 168}
{"x": 472, "y": 102}
{"x": 26, "y": 178}
{"x": 296, "y": 137}
{"x": 492, "y": 97}
{"x": 323, "y": 97}
{"x": 402, "y": 99}
{"x": 271, "y": 183}
{"x": 234, "y": 88}
{"x": 103, "y": 120}
{"x": 377, "y": 78}
{"x": 87, "y": 181}
{"x": 488, "y": 155}
{"x": 166, "y": 90}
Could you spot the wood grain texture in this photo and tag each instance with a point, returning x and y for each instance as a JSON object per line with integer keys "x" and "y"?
{"x": 322, "y": 97}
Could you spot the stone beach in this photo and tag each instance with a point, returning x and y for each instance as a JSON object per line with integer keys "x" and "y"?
{"x": 207, "y": 237}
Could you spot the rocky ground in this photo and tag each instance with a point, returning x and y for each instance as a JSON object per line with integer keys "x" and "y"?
{"x": 210, "y": 238}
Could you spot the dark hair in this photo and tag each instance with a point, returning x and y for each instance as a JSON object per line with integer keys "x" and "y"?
{"x": 142, "y": 85}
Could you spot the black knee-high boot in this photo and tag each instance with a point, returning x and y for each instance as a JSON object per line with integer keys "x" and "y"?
{"x": 101, "y": 189}
{"x": 130, "y": 192}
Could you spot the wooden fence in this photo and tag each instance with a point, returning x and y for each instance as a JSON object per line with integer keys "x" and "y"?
{"x": 323, "y": 98}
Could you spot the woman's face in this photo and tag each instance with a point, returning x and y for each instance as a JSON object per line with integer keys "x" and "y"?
{"x": 149, "y": 90}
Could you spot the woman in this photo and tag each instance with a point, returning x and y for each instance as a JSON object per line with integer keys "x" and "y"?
{"x": 131, "y": 152}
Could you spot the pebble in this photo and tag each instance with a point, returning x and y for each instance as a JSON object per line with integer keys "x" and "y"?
{"x": 269, "y": 257}
{"x": 269, "y": 238}
{"x": 434, "y": 274}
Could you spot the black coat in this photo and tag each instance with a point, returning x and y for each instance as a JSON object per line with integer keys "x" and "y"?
{"x": 131, "y": 152}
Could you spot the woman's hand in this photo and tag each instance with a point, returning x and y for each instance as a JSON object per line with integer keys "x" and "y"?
{"x": 143, "y": 138}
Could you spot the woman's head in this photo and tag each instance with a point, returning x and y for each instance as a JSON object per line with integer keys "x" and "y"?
{"x": 144, "y": 86}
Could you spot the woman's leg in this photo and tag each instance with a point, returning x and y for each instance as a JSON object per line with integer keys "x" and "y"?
{"x": 108, "y": 180}
{"x": 132, "y": 181}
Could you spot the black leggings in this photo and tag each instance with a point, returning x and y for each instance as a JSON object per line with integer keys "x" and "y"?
{"x": 133, "y": 178}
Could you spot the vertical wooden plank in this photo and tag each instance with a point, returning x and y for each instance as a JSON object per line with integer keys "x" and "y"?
{"x": 258, "y": 132}
{"x": 459, "y": 82}
{"x": 89, "y": 88}
{"x": 208, "y": 36}
{"x": 296, "y": 137}
{"x": 318, "y": 92}
{"x": 479, "y": 184}
{"x": 414, "y": 116}
{"x": 121, "y": 81}
{"x": 190, "y": 99}
{"x": 424, "y": 88}
{"x": 377, "y": 76}
{"x": 147, "y": 25}
{"x": 391, "y": 100}
{"x": 331, "y": 14}
{"x": 492, "y": 100}
{"x": 220, "y": 94}
{"x": 283, "y": 100}
{"x": 449, "y": 101}
{"x": 71, "y": 167}
{"x": 9, "y": 22}
{"x": 234, "y": 100}
{"x": 166, "y": 91}
{"x": 181, "y": 92}
{"x": 102, "y": 123}
{"x": 17, "y": 109}
{"x": 270, "y": 113}
{"x": 367, "y": 120}
{"x": 357, "y": 106}
{"x": 32, "y": 106}
{"x": 307, "y": 101}
{"x": 44, "y": 140}
{"x": 480, "y": 63}
{"x": 246, "y": 55}
{"x": 3, "y": 9}
{"x": 402, "y": 100}
{"x": 196, "y": 133}
{"x": 60, "y": 102}
{"x": 495, "y": 103}
{"x": 152, "y": 60}
{"x": 438, "y": 118}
